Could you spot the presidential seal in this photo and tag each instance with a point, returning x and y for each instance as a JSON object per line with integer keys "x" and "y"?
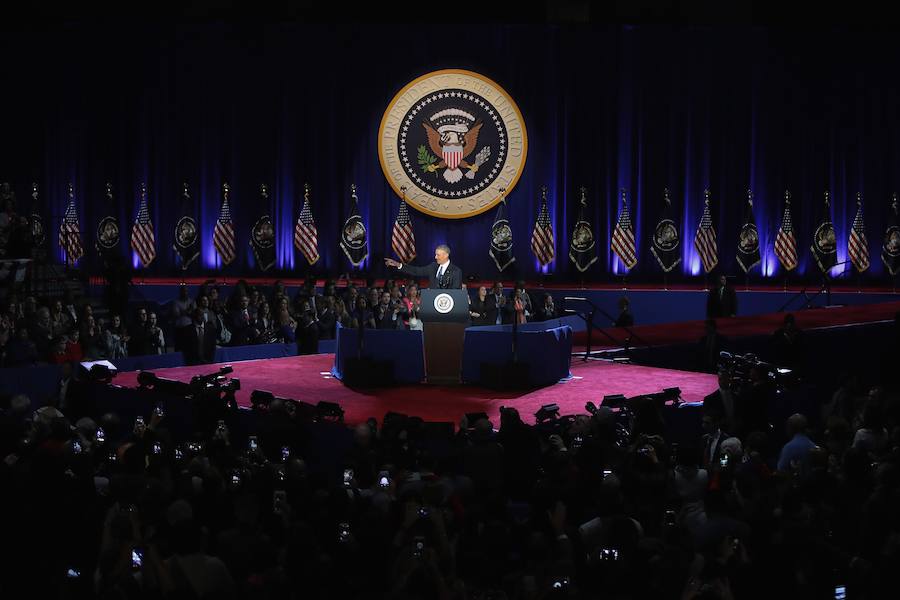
{"x": 443, "y": 303}
{"x": 583, "y": 237}
{"x": 892, "y": 243}
{"x": 501, "y": 237}
{"x": 108, "y": 233}
{"x": 665, "y": 237}
{"x": 749, "y": 239}
{"x": 37, "y": 229}
{"x": 824, "y": 239}
{"x": 185, "y": 232}
{"x": 264, "y": 233}
{"x": 454, "y": 139}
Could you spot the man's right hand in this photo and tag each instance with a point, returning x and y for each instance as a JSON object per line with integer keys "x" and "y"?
{"x": 392, "y": 263}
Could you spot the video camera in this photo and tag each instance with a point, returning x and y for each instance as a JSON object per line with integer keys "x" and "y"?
{"x": 739, "y": 367}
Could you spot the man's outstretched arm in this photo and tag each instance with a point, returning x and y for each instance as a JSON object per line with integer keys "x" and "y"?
{"x": 409, "y": 269}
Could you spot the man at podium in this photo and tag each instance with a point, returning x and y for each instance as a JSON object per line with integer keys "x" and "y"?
{"x": 441, "y": 274}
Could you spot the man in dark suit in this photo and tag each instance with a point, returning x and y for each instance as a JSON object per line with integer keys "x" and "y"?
{"x": 242, "y": 330}
{"x": 722, "y": 301}
{"x": 441, "y": 274}
{"x": 499, "y": 308}
{"x": 200, "y": 341}
{"x": 327, "y": 318}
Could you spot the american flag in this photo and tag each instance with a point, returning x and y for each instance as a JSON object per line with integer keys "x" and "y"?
{"x": 70, "y": 232}
{"x": 306, "y": 236}
{"x": 705, "y": 239}
{"x": 785, "y": 242}
{"x": 858, "y": 246}
{"x": 622, "y": 242}
{"x": 223, "y": 234}
{"x": 542, "y": 243}
{"x": 142, "y": 240}
{"x": 403, "y": 241}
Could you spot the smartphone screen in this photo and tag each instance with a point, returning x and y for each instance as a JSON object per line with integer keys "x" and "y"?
{"x": 840, "y": 592}
{"x": 252, "y": 443}
{"x": 137, "y": 558}
{"x": 285, "y": 453}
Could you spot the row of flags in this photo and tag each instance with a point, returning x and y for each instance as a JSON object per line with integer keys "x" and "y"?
{"x": 582, "y": 249}
{"x": 262, "y": 235}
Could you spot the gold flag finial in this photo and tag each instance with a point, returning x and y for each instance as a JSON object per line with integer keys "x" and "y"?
{"x": 544, "y": 193}
{"x": 666, "y": 195}
{"x": 71, "y": 191}
{"x": 225, "y": 189}
{"x": 143, "y": 190}
{"x": 306, "y": 191}
{"x": 353, "y": 190}
{"x": 750, "y": 196}
{"x": 859, "y": 197}
{"x": 787, "y": 196}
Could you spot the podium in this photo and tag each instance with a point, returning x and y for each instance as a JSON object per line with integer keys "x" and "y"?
{"x": 445, "y": 316}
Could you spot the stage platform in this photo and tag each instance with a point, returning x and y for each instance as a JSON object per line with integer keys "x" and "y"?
{"x": 738, "y": 327}
{"x": 308, "y": 378}
{"x": 651, "y": 304}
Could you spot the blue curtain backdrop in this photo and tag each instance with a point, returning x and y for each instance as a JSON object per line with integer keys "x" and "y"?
{"x": 642, "y": 108}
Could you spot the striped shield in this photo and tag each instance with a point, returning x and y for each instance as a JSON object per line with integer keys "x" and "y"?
{"x": 452, "y": 155}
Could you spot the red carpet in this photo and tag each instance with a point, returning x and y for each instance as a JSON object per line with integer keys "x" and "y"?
{"x": 691, "y": 331}
{"x": 307, "y": 378}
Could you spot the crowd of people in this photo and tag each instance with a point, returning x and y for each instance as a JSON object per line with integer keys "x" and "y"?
{"x": 605, "y": 504}
{"x": 58, "y": 330}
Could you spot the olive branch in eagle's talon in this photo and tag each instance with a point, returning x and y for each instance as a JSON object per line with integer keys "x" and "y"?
{"x": 426, "y": 160}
